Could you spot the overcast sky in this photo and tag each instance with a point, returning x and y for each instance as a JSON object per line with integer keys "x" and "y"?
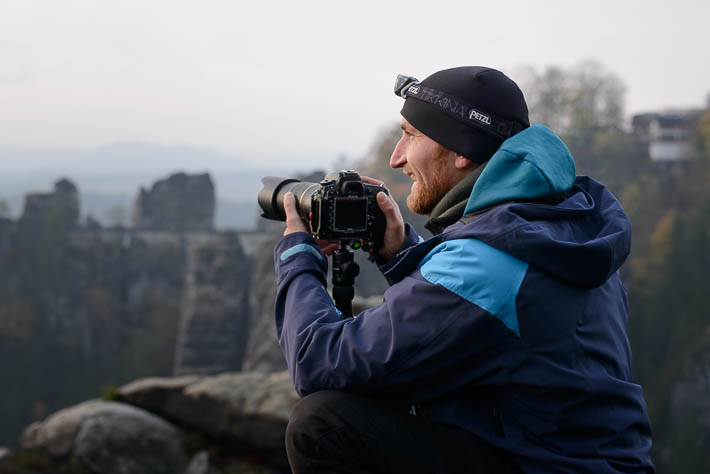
{"x": 274, "y": 82}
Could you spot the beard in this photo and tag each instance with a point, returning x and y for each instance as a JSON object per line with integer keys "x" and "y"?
{"x": 426, "y": 194}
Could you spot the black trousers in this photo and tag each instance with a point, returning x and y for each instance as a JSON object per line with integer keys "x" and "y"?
{"x": 338, "y": 432}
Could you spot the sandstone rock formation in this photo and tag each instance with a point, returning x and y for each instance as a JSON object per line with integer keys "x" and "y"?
{"x": 230, "y": 423}
{"x": 263, "y": 353}
{"x": 111, "y": 305}
{"x": 248, "y": 410}
{"x": 62, "y": 203}
{"x": 180, "y": 203}
{"x": 200, "y": 464}
{"x": 214, "y": 311}
{"x": 83, "y": 308}
{"x": 107, "y": 437}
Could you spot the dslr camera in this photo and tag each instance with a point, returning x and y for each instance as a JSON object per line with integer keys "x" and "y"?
{"x": 341, "y": 208}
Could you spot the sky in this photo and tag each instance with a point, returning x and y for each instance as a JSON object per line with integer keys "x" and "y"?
{"x": 277, "y": 83}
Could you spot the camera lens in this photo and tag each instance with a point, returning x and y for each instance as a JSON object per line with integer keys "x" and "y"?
{"x": 271, "y": 197}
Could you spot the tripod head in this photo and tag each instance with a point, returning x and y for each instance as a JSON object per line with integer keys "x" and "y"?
{"x": 344, "y": 272}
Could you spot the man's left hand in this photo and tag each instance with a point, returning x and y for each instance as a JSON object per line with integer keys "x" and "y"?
{"x": 294, "y": 223}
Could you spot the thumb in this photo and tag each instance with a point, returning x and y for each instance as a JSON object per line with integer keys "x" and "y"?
{"x": 293, "y": 219}
{"x": 394, "y": 227}
{"x": 385, "y": 205}
{"x": 289, "y": 203}
{"x": 290, "y": 207}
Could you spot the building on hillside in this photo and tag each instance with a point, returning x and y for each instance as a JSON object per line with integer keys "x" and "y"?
{"x": 668, "y": 134}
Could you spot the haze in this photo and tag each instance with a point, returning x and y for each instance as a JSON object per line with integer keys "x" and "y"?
{"x": 287, "y": 84}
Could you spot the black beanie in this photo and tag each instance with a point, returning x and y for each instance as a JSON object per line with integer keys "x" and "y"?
{"x": 470, "y": 110}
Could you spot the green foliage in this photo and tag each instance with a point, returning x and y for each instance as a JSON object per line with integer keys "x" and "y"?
{"x": 86, "y": 314}
{"x": 110, "y": 393}
{"x": 667, "y": 275}
{"x": 399, "y": 184}
{"x": 704, "y": 133}
{"x": 578, "y": 102}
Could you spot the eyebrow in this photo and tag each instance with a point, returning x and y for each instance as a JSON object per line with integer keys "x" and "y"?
{"x": 407, "y": 128}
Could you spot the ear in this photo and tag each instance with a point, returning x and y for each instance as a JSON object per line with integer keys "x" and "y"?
{"x": 464, "y": 164}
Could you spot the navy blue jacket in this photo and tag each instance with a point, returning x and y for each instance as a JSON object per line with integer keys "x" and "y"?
{"x": 511, "y": 325}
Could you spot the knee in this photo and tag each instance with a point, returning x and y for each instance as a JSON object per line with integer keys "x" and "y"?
{"x": 311, "y": 422}
{"x": 313, "y": 415}
{"x": 318, "y": 436}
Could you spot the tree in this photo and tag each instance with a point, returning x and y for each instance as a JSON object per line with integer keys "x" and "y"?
{"x": 377, "y": 165}
{"x": 704, "y": 132}
{"x": 577, "y": 102}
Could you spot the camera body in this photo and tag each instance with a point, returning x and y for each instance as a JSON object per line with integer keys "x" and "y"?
{"x": 342, "y": 208}
{"x": 345, "y": 209}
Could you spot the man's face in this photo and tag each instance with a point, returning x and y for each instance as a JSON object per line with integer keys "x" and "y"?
{"x": 427, "y": 163}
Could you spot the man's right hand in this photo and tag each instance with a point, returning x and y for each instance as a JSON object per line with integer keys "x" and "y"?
{"x": 394, "y": 230}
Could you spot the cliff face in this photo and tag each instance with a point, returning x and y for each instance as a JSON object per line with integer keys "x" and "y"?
{"x": 214, "y": 309}
{"x": 179, "y": 203}
{"x": 263, "y": 353}
{"x": 83, "y": 308}
{"x": 63, "y": 200}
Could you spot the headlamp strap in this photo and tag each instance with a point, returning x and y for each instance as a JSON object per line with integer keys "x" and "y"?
{"x": 465, "y": 113}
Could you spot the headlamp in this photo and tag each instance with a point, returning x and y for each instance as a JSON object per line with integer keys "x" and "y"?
{"x": 403, "y": 83}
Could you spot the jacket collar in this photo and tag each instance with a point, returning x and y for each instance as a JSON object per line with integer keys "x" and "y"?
{"x": 451, "y": 207}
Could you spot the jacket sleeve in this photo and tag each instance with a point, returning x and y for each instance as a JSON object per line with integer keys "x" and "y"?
{"x": 410, "y": 240}
{"x": 422, "y": 341}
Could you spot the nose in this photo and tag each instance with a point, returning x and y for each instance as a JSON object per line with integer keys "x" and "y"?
{"x": 399, "y": 155}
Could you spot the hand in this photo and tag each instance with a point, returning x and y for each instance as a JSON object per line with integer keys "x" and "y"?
{"x": 394, "y": 229}
{"x": 294, "y": 223}
{"x": 327, "y": 247}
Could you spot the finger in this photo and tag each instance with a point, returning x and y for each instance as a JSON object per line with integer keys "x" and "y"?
{"x": 293, "y": 220}
{"x": 394, "y": 231}
{"x": 290, "y": 206}
{"x": 387, "y": 205}
{"x": 329, "y": 249}
{"x": 369, "y": 180}
{"x": 327, "y": 243}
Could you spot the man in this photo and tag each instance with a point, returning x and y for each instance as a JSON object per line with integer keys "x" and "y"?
{"x": 501, "y": 344}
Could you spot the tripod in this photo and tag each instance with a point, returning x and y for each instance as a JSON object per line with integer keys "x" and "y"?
{"x": 344, "y": 272}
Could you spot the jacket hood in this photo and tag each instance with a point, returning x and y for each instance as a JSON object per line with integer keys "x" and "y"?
{"x": 582, "y": 240}
{"x": 532, "y": 164}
